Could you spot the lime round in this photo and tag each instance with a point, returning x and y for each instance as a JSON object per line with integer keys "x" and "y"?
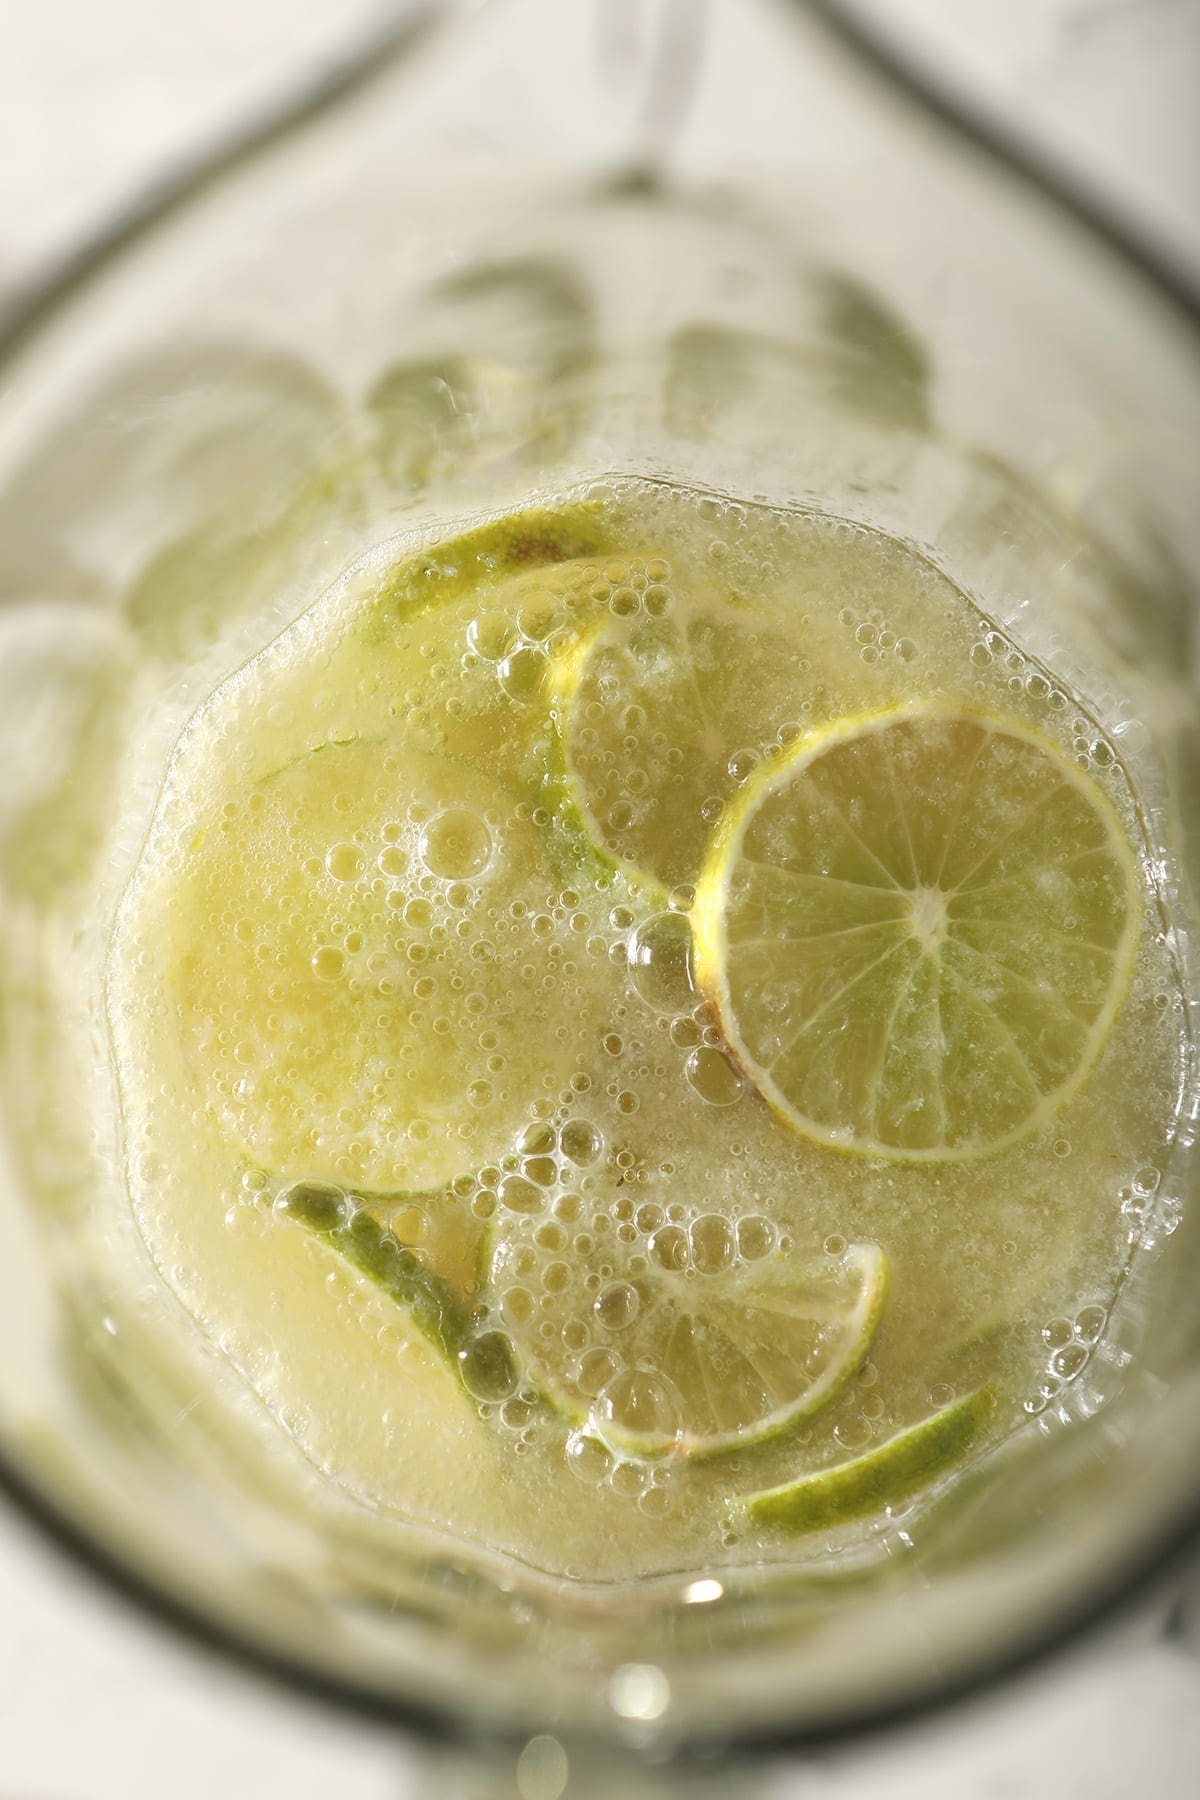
{"x": 686, "y": 1337}
{"x": 351, "y": 943}
{"x": 917, "y": 930}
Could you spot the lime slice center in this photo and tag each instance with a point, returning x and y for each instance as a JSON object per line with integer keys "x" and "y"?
{"x": 930, "y": 914}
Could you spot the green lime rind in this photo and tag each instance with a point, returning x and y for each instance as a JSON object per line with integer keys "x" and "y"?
{"x": 882, "y": 1478}
{"x": 354, "y": 1234}
{"x": 454, "y": 568}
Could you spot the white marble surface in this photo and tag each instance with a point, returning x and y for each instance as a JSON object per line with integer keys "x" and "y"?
{"x": 97, "y": 97}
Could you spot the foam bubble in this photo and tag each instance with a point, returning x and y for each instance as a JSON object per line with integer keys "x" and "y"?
{"x": 713, "y": 1077}
{"x": 638, "y": 1404}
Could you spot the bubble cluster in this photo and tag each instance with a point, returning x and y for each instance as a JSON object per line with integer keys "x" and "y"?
{"x": 1071, "y": 1344}
{"x": 874, "y": 637}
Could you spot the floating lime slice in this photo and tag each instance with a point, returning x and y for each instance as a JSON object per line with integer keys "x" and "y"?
{"x": 703, "y": 1336}
{"x": 658, "y": 720}
{"x": 918, "y": 929}
{"x": 885, "y": 1477}
{"x": 348, "y": 949}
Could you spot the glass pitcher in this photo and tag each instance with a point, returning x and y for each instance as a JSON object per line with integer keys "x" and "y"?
{"x": 528, "y": 245}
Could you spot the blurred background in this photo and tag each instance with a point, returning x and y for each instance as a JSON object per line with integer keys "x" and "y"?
{"x": 104, "y": 103}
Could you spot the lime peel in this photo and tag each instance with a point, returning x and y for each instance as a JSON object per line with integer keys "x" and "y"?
{"x": 351, "y": 1230}
{"x": 879, "y": 1480}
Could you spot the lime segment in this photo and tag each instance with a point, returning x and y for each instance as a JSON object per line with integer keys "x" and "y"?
{"x": 917, "y": 929}
{"x": 885, "y": 1477}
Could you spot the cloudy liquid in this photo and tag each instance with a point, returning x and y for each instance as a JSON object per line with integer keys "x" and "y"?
{"x": 556, "y": 1095}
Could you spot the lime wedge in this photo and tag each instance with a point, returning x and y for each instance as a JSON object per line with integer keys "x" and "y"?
{"x": 347, "y": 952}
{"x": 700, "y": 1337}
{"x": 918, "y": 929}
{"x": 883, "y": 1478}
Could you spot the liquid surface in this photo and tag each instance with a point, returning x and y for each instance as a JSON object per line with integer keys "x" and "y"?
{"x": 437, "y": 1112}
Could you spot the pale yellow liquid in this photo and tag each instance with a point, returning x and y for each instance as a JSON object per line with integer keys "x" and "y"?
{"x": 1003, "y": 1269}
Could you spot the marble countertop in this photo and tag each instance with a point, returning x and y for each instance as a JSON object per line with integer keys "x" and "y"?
{"x": 99, "y": 98}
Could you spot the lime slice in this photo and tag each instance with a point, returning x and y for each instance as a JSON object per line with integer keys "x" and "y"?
{"x": 578, "y": 842}
{"x": 918, "y": 929}
{"x": 659, "y": 718}
{"x": 348, "y": 949}
{"x": 513, "y": 543}
{"x": 469, "y": 678}
{"x": 704, "y": 1334}
{"x": 882, "y": 1478}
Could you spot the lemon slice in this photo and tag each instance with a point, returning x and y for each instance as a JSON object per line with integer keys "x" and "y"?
{"x": 658, "y": 720}
{"x": 348, "y": 947}
{"x": 885, "y": 1477}
{"x": 917, "y": 929}
{"x": 704, "y": 1335}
